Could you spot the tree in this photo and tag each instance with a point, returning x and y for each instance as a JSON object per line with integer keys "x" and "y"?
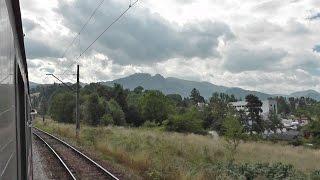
{"x": 175, "y": 98}
{"x": 274, "y": 122}
{"x": 62, "y": 107}
{"x": 120, "y": 95}
{"x": 314, "y": 128}
{"x": 107, "y": 120}
{"x": 116, "y": 112}
{"x": 233, "y": 132}
{"x": 243, "y": 118}
{"x": 138, "y": 90}
{"x": 134, "y": 117}
{"x": 283, "y": 107}
{"x": 254, "y": 110}
{"x": 195, "y": 96}
{"x": 188, "y": 122}
{"x": 218, "y": 108}
{"x": 154, "y": 107}
{"x": 95, "y": 108}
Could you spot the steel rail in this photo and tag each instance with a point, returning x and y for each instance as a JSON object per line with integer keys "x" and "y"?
{"x": 57, "y": 155}
{"x": 109, "y": 174}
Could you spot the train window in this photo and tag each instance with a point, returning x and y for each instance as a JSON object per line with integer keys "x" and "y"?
{"x": 21, "y": 125}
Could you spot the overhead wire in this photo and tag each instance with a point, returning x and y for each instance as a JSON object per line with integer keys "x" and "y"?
{"x": 117, "y": 19}
{"x": 108, "y": 27}
{"x": 82, "y": 28}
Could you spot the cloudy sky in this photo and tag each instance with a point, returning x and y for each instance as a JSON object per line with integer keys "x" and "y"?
{"x": 266, "y": 45}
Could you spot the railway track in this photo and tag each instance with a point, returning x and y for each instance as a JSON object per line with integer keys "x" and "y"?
{"x": 76, "y": 164}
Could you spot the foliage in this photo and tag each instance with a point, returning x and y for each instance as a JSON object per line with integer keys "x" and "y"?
{"x": 314, "y": 129}
{"x": 187, "y": 122}
{"x": 283, "y": 107}
{"x": 62, "y": 107}
{"x": 154, "y": 154}
{"x": 259, "y": 170}
{"x": 195, "y": 96}
{"x": 233, "y": 132}
{"x": 107, "y": 120}
{"x": 216, "y": 112}
{"x": 134, "y": 117}
{"x": 149, "y": 124}
{"x": 254, "y": 110}
{"x": 274, "y": 122}
{"x": 95, "y": 107}
{"x": 154, "y": 107}
{"x": 138, "y": 90}
{"x": 120, "y": 95}
{"x": 116, "y": 112}
{"x": 176, "y": 99}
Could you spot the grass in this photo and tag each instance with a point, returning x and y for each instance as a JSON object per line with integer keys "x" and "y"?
{"x": 155, "y": 154}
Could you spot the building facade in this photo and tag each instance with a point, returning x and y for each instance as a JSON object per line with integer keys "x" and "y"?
{"x": 267, "y": 107}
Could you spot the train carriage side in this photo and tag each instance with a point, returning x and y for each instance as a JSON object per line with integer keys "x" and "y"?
{"x": 15, "y": 131}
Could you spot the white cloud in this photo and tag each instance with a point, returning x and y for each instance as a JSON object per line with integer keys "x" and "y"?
{"x": 271, "y": 44}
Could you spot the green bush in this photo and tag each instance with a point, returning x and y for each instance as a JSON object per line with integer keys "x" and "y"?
{"x": 62, "y": 107}
{"x": 150, "y": 124}
{"x": 315, "y": 175}
{"x": 188, "y": 122}
{"x": 116, "y": 112}
{"x": 107, "y": 120}
{"x": 259, "y": 170}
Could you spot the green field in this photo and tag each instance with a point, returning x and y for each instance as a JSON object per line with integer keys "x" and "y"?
{"x": 155, "y": 154}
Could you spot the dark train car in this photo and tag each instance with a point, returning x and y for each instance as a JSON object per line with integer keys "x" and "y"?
{"x": 15, "y": 120}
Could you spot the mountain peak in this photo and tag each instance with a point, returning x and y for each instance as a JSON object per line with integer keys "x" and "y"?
{"x": 158, "y": 76}
{"x": 307, "y": 93}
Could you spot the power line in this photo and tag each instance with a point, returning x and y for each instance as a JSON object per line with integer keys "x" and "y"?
{"x": 117, "y": 19}
{"x": 108, "y": 27}
{"x": 82, "y": 28}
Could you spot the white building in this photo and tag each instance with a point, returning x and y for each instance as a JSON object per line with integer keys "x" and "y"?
{"x": 267, "y": 107}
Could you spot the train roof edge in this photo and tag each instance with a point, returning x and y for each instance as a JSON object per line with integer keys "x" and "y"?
{"x": 20, "y": 34}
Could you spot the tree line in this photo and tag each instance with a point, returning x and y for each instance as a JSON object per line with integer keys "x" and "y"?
{"x": 104, "y": 105}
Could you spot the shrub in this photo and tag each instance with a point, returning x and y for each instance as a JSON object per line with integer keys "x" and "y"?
{"x": 107, "y": 120}
{"x": 269, "y": 171}
{"x": 116, "y": 113}
{"x": 233, "y": 132}
{"x": 62, "y": 107}
{"x": 149, "y": 124}
{"x": 315, "y": 175}
{"x": 187, "y": 122}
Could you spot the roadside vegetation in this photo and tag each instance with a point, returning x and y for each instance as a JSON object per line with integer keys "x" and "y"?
{"x": 158, "y": 136}
{"x": 156, "y": 154}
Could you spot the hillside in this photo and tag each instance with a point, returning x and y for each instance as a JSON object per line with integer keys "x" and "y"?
{"x": 308, "y": 93}
{"x": 172, "y": 85}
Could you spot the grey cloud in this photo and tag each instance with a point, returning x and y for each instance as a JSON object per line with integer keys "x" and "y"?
{"x": 316, "y": 48}
{"x": 297, "y": 28}
{"x": 185, "y": 1}
{"x": 28, "y": 25}
{"x": 47, "y": 70}
{"x": 142, "y": 37}
{"x": 314, "y": 16}
{"x": 33, "y": 65}
{"x": 308, "y": 62}
{"x": 38, "y": 49}
{"x": 271, "y": 6}
{"x": 240, "y": 59}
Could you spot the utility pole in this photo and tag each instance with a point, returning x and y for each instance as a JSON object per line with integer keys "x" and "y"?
{"x": 77, "y": 99}
{"x": 43, "y": 105}
{"x": 77, "y": 104}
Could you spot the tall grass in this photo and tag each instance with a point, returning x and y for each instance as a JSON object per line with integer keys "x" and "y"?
{"x": 154, "y": 154}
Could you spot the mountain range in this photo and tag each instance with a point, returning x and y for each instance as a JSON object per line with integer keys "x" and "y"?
{"x": 171, "y": 85}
